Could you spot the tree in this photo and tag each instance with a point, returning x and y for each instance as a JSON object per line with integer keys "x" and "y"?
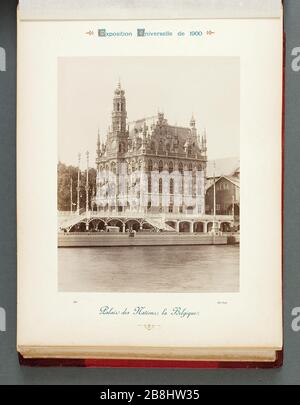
{"x": 66, "y": 175}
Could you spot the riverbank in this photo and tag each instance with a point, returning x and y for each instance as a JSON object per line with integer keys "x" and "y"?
{"x": 141, "y": 239}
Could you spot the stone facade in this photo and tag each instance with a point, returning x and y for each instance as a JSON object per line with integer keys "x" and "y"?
{"x": 152, "y": 155}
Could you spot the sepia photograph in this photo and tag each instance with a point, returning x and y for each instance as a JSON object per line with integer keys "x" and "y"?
{"x": 148, "y": 174}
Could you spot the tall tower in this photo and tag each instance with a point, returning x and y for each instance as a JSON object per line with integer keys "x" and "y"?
{"x": 119, "y": 113}
{"x": 193, "y": 127}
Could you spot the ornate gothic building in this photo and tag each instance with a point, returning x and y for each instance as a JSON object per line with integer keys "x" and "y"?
{"x": 147, "y": 154}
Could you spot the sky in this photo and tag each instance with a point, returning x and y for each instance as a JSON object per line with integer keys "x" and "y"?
{"x": 207, "y": 87}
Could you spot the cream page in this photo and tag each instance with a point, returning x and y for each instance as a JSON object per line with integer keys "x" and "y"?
{"x": 248, "y": 318}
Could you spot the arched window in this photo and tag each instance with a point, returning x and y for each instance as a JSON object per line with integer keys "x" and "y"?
{"x": 190, "y": 167}
{"x": 150, "y": 166}
{"x": 172, "y": 186}
{"x": 113, "y": 167}
{"x": 149, "y": 184}
{"x": 180, "y": 185}
{"x": 171, "y": 167}
{"x": 160, "y": 166}
{"x": 160, "y": 186}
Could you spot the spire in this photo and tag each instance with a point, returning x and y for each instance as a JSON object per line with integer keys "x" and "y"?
{"x": 98, "y": 140}
{"x": 204, "y": 146}
{"x": 192, "y": 121}
{"x": 161, "y": 116}
{"x": 98, "y": 151}
{"x": 119, "y": 87}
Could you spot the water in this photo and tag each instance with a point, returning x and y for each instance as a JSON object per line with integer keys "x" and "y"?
{"x": 149, "y": 269}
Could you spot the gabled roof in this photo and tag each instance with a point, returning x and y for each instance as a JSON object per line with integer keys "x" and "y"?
{"x": 231, "y": 179}
{"x": 161, "y": 134}
{"x": 234, "y": 180}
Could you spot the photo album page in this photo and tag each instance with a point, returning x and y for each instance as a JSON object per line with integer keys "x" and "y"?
{"x": 149, "y": 165}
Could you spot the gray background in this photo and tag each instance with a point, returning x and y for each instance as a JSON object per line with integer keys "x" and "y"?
{"x": 12, "y": 373}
